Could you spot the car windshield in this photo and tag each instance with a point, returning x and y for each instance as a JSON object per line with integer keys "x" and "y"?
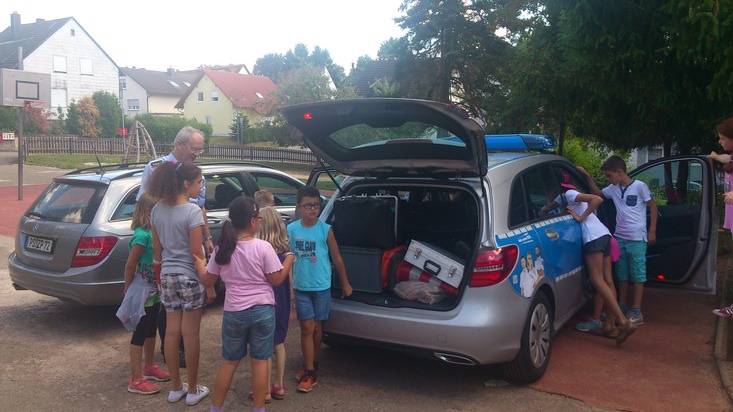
{"x": 68, "y": 203}
{"x": 363, "y": 135}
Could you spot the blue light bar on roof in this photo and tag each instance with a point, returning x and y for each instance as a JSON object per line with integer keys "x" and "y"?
{"x": 519, "y": 142}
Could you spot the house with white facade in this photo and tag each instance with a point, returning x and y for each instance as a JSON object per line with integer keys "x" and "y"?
{"x": 78, "y": 66}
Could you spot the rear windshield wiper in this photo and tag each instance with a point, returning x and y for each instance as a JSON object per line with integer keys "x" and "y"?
{"x": 38, "y": 215}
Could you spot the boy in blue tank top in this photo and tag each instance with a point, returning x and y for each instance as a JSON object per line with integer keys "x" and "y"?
{"x": 313, "y": 242}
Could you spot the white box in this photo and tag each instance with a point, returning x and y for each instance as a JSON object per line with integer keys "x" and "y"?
{"x": 436, "y": 261}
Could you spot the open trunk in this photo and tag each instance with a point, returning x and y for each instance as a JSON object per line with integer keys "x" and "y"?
{"x": 406, "y": 244}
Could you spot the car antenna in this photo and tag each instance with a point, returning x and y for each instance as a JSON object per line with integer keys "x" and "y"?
{"x": 101, "y": 169}
{"x": 328, "y": 172}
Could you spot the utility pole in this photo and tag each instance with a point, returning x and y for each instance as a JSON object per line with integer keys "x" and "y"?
{"x": 20, "y": 133}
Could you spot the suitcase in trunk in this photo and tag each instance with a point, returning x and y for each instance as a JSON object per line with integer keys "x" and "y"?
{"x": 436, "y": 261}
{"x": 363, "y": 267}
{"x": 365, "y": 221}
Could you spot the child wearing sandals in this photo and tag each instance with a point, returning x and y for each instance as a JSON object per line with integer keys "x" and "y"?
{"x": 272, "y": 229}
{"x": 177, "y": 227}
{"x": 725, "y": 139}
{"x": 249, "y": 267}
{"x": 139, "y": 269}
{"x": 596, "y": 250}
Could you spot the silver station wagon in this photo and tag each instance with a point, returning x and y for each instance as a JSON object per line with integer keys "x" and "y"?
{"x": 72, "y": 242}
{"x": 448, "y": 244}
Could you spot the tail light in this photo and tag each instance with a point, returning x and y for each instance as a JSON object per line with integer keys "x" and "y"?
{"x": 92, "y": 250}
{"x": 493, "y": 266}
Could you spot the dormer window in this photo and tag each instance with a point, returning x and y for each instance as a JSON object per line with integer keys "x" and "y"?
{"x": 259, "y": 95}
{"x": 174, "y": 84}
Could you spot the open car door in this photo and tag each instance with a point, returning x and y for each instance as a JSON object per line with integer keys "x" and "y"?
{"x": 685, "y": 253}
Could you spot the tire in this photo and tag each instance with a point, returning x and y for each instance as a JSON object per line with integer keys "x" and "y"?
{"x": 534, "y": 354}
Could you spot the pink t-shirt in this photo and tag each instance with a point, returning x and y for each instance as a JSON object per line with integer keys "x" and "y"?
{"x": 728, "y": 222}
{"x": 244, "y": 276}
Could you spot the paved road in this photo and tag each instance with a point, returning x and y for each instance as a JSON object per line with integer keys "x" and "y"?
{"x": 668, "y": 365}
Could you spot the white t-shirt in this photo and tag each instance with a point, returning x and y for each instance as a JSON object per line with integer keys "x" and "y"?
{"x": 630, "y": 209}
{"x": 527, "y": 280}
{"x": 592, "y": 227}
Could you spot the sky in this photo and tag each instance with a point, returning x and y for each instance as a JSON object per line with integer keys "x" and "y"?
{"x": 157, "y": 34}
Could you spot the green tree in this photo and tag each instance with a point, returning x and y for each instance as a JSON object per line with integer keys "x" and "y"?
{"x": 73, "y": 119}
{"x": 110, "y": 113}
{"x": 240, "y": 123}
{"x": 8, "y": 119}
{"x": 165, "y": 128}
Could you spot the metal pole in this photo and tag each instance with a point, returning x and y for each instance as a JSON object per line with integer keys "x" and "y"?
{"x": 20, "y": 134}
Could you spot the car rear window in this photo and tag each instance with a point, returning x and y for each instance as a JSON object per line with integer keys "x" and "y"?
{"x": 68, "y": 203}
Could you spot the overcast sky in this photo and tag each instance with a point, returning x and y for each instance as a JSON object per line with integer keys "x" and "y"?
{"x": 157, "y": 34}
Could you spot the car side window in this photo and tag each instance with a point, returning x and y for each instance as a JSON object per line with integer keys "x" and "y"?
{"x": 221, "y": 189}
{"x": 126, "y": 207}
{"x": 674, "y": 183}
{"x": 532, "y": 192}
{"x": 283, "y": 189}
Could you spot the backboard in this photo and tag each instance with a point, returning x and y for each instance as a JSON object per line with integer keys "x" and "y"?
{"x": 19, "y": 88}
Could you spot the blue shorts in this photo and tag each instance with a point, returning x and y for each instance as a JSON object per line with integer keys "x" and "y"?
{"x": 313, "y": 305}
{"x": 631, "y": 265}
{"x": 254, "y": 326}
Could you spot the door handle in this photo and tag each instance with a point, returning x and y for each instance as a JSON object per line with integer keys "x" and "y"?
{"x": 213, "y": 220}
{"x": 552, "y": 234}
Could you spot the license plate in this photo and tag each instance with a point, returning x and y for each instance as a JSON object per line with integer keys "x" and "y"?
{"x": 37, "y": 243}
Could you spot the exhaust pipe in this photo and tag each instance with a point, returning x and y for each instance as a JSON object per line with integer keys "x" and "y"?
{"x": 455, "y": 359}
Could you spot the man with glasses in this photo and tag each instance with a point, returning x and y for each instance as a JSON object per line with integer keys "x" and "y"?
{"x": 187, "y": 146}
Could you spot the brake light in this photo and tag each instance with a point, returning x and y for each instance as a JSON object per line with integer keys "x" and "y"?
{"x": 92, "y": 250}
{"x": 493, "y": 266}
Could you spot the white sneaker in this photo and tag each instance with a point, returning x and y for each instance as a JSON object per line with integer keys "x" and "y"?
{"x": 194, "y": 398}
{"x": 175, "y": 396}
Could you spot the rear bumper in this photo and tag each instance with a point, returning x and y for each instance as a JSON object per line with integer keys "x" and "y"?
{"x": 65, "y": 286}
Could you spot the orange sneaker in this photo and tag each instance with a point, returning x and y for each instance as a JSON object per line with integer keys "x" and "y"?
{"x": 307, "y": 383}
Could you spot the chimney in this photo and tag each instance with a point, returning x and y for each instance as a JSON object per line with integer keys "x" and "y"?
{"x": 171, "y": 71}
{"x": 15, "y": 25}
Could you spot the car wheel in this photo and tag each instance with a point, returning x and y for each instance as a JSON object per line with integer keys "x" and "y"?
{"x": 534, "y": 353}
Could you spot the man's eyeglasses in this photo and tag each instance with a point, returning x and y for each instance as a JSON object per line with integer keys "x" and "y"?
{"x": 197, "y": 150}
{"x": 310, "y": 206}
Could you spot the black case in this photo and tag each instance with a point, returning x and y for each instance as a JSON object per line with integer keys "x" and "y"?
{"x": 365, "y": 221}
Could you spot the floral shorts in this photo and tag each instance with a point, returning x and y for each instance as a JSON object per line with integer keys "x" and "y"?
{"x": 182, "y": 293}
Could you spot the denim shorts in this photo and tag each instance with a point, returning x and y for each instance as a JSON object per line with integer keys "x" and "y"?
{"x": 254, "y": 326}
{"x": 313, "y": 305}
{"x": 631, "y": 264}
{"x": 182, "y": 293}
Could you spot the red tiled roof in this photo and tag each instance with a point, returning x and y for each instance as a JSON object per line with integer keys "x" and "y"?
{"x": 243, "y": 90}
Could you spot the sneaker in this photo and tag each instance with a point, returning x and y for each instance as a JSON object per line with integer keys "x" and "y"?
{"x": 175, "y": 396}
{"x": 156, "y": 374}
{"x": 625, "y": 331}
{"x": 589, "y": 324}
{"x": 724, "y": 312}
{"x": 308, "y": 381}
{"x": 142, "y": 386}
{"x": 194, "y": 398}
{"x": 636, "y": 318}
{"x": 300, "y": 374}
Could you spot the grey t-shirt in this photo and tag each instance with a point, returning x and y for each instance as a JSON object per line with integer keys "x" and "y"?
{"x": 172, "y": 224}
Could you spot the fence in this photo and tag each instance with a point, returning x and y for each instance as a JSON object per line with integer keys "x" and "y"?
{"x": 77, "y": 145}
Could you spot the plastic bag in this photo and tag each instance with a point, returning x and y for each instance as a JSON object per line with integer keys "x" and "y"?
{"x": 420, "y": 291}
